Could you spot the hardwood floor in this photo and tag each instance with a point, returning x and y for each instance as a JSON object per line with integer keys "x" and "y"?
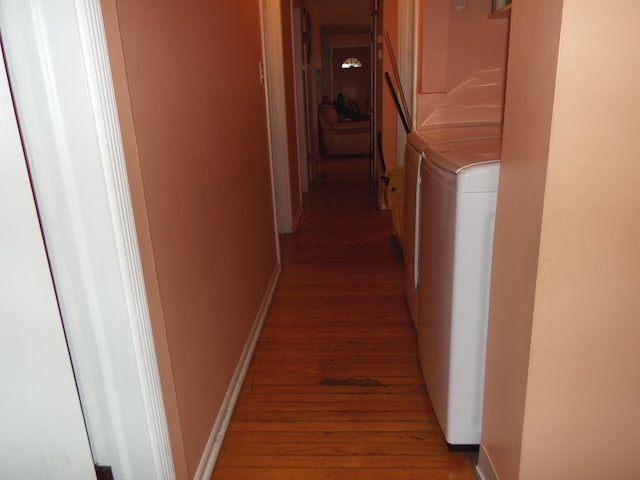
{"x": 335, "y": 390}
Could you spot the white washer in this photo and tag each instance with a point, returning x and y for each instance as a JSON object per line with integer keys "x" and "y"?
{"x": 437, "y": 137}
{"x": 459, "y": 192}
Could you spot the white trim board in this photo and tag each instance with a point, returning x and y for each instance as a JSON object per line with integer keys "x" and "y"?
{"x": 212, "y": 449}
{"x": 39, "y": 396}
{"x": 59, "y": 70}
{"x": 301, "y": 109}
{"x": 273, "y": 75}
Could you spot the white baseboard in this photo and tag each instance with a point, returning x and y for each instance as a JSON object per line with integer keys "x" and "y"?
{"x": 484, "y": 469}
{"x": 212, "y": 449}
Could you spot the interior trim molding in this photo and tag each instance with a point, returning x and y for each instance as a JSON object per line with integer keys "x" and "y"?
{"x": 303, "y": 147}
{"x": 64, "y": 99}
{"x": 273, "y": 76}
{"x": 484, "y": 468}
{"x": 212, "y": 449}
{"x": 124, "y": 228}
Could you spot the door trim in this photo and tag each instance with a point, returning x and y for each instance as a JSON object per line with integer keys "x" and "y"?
{"x": 59, "y": 68}
{"x": 39, "y": 396}
{"x": 276, "y": 112}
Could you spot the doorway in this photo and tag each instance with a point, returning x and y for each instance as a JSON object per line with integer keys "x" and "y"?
{"x": 312, "y": 64}
{"x": 339, "y": 31}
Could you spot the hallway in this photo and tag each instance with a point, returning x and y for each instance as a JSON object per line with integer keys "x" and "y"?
{"x": 335, "y": 390}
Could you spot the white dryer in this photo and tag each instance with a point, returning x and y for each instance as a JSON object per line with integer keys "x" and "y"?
{"x": 459, "y": 178}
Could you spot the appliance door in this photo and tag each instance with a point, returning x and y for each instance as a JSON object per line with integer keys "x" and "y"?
{"x": 437, "y": 227}
{"x": 411, "y": 234}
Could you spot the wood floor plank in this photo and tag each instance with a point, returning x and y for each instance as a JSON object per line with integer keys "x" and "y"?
{"x": 332, "y": 460}
{"x": 330, "y": 448}
{"x": 416, "y": 438}
{"x": 332, "y": 415}
{"x": 314, "y": 389}
{"x": 279, "y": 473}
{"x": 334, "y": 390}
{"x": 363, "y": 402}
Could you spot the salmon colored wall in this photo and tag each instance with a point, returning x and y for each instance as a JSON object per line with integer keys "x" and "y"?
{"x": 390, "y": 117}
{"x": 349, "y": 39}
{"x": 194, "y": 124}
{"x": 562, "y": 387}
{"x": 476, "y": 42}
{"x": 290, "y": 93}
{"x": 535, "y": 29}
{"x": 127, "y": 130}
{"x": 455, "y": 43}
{"x": 433, "y": 46}
{"x": 581, "y": 416}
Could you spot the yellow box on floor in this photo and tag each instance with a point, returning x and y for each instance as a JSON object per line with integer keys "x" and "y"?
{"x": 395, "y": 198}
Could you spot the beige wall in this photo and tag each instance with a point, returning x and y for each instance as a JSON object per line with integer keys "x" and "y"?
{"x": 194, "y": 125}
{"x": 564, "y": 402}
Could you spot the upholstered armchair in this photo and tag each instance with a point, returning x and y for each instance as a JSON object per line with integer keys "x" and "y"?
{"x": 343, "y": 137}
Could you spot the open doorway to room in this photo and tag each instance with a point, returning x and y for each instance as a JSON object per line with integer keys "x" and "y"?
{"x": 343, "y": 66}
{"x": 317, "y": 38}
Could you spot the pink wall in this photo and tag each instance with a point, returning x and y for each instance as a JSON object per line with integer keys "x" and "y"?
{"x": 562, "y": 388}
{"x": 581, "y": 416}
{"x": 525, "y": 148}
{"x": 476, "y": 42}
{"x": 455, "y": 43}
{"x": 433, "y": 46}
{"x": 194, "y": 125}
{"x": 390, "y": 118}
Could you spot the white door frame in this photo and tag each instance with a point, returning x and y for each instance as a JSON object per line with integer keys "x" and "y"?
{"x": 39, "y": 395}
{"x": 299, "y": 66}
{"x": 277, "y": 113}
{"x": 60, "y": 75}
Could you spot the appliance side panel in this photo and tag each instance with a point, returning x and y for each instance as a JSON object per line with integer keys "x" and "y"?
{"x": 475, "y": 218}
{"x": 437, "y": 221}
